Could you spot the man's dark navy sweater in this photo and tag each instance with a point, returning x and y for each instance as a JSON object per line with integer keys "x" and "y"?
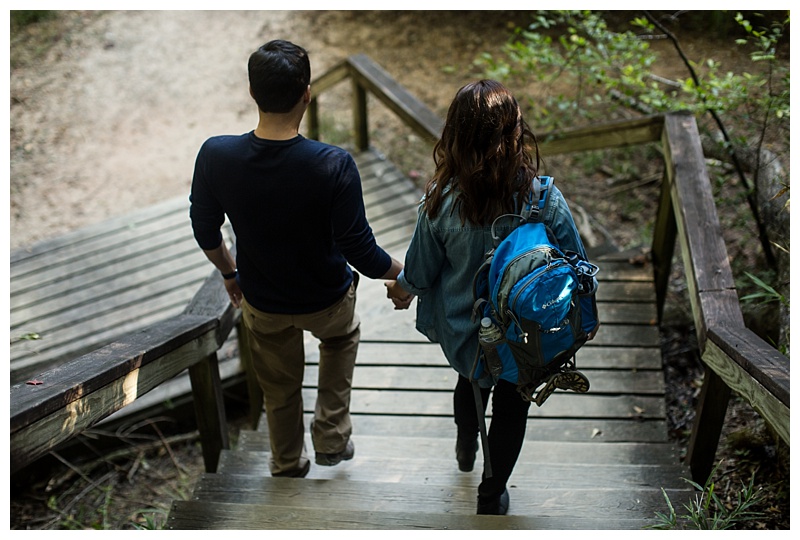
{"x": 297, "y": 211}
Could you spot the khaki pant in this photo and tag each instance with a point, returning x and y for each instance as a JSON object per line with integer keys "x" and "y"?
{"x": 276, "y": 342}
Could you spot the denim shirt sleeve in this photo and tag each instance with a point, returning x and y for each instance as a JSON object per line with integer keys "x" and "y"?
{"x": 558, "y": 218}
{"x": 424, "y": 258}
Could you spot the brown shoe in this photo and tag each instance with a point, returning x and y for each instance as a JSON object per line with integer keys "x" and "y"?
{"x": 329, "y": 460}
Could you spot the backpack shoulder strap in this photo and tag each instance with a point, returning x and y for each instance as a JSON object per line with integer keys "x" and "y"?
{"x": 537, "y": 200}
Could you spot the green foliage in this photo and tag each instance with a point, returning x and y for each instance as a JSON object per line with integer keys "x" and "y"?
{"x": 577, "y": 50}
{"x": 150, "y": 519}
{"x": 765, "y": 294}
{"x": 81, "y": 516}
{"x": 707, "y": 511}
{"x": 22, "y": 18}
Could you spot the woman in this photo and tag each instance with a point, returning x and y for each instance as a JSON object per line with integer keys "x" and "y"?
{"x": 485, "y": 162}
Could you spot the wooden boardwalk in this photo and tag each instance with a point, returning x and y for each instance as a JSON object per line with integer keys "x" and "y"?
{"x": 592, "y": 461}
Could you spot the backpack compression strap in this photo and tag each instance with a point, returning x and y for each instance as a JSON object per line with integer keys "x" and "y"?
{"x": 539, "y": 193}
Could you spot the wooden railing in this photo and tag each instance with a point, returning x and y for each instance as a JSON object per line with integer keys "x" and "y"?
{"x": 88, "y": 389}
{"x": 735, "y": 357}
{"x": 94, "y": 386}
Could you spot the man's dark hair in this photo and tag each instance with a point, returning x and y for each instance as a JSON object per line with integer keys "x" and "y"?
{"x": 279, "y": 73}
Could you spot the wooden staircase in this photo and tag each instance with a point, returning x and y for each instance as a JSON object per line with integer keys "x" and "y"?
{"x": 590, "y": 461}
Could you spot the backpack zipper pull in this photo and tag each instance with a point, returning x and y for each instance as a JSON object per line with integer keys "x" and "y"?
{"x": 523, "y": 334}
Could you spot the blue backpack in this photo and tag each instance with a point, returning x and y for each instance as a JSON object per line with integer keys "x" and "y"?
{"x": 539, "y": 301}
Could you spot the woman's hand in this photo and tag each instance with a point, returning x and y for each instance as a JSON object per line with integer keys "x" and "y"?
{"x": 398, "y": 295}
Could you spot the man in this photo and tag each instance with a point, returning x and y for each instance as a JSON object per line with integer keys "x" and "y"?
{"x": 297, "y": 211}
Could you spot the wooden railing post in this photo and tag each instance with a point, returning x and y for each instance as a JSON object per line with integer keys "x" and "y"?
{"x": 361, "y": 133}
{"x": 664, "y": 236}
{"x": 209, "y": 406}
{"x": 707, "y": 427}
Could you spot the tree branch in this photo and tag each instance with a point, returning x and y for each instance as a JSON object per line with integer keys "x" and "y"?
{"x": 749, "y": 191}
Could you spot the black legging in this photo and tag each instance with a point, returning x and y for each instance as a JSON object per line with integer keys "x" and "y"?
{"x": 506, "y": 430}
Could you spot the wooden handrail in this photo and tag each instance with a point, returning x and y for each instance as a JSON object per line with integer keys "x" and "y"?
{"x": 77, "y": 395}
{"x": 367, "y": 76}
{"x": 82, "y": 392}
{"x": 734, "y": 355}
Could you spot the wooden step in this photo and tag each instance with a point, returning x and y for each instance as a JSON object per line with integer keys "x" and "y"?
{"x": 589, "y": 452}
{"x": 597, "y": 506}
{"x": 193, "y": 515}
{"x": 440, "y": 468}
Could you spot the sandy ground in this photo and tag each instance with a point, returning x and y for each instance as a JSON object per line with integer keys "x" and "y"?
{"x": 112, "y": 119}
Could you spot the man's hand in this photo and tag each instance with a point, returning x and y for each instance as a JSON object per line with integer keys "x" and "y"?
{"x": 398, "y": 295}
{"x": 234, "y": 292}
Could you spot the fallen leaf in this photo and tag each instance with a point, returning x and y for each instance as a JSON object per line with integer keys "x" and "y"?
{"x": 34, "y": 382}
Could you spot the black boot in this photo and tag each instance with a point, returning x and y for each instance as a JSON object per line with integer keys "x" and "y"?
{"x": 495, "y": 506}
{"x": 466, "y": 449}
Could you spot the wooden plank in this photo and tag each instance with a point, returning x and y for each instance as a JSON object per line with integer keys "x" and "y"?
{"x": 188, "y": 515}
{"x": 665, "y": 232}
{"x": 423, "y": 353}
{"x": 444, "y": 378}
{"x": 149, "y": 243}
{"x": 609, "y": 335}
{"x": 64, "y": 384}
{"x": 74, "y": 397}
{"x": 37, "y": 362}
{"x": 58, "y": 279}
{"x": 429, "y": 468}
{"x": 89, "y": 234}
{"x": 768, "y": 401}
{"x": 627, "y": 313}
{"x": 613, "y": 134}
{"x": 623, "y": 271}
{"x": 412, "y": 111}
{"x": 93, "y": 302}
{"x": 209, "y": 406}
{"x": 760, "y": 361}
{"x": 539, "y": 429}
{"x": 440, "y": 445}
{"x": 707, "y": 426}
{"x": 626, "y": 291}
{"x": 560, "y": 404}
{"x": 708, "y": 274}
{"x": 598, "y": 504}
{"x": 58, "y": 331}
{"x": 694, "y": 202}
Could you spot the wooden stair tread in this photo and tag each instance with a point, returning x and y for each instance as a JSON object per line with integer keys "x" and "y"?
{"x": 347, "y": 495}
{"x": 188, "y": 515}
{"x": 542, "y": 452}
{"x": 426, "y": 469}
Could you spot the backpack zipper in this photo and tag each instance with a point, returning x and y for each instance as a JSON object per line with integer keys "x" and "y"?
{"x": 512, "y": 304}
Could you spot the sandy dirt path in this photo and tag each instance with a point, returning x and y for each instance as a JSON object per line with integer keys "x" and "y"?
{"x": 113, "y": 117}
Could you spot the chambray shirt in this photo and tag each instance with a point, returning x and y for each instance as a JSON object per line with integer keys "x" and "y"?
{"x": 440, "y": 265}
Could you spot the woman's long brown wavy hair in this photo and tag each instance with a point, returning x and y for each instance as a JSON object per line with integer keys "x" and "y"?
{"x": 486, "y": 151}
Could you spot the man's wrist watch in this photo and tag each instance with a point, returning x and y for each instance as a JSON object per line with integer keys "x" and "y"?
{"x": 229, "y": 276}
